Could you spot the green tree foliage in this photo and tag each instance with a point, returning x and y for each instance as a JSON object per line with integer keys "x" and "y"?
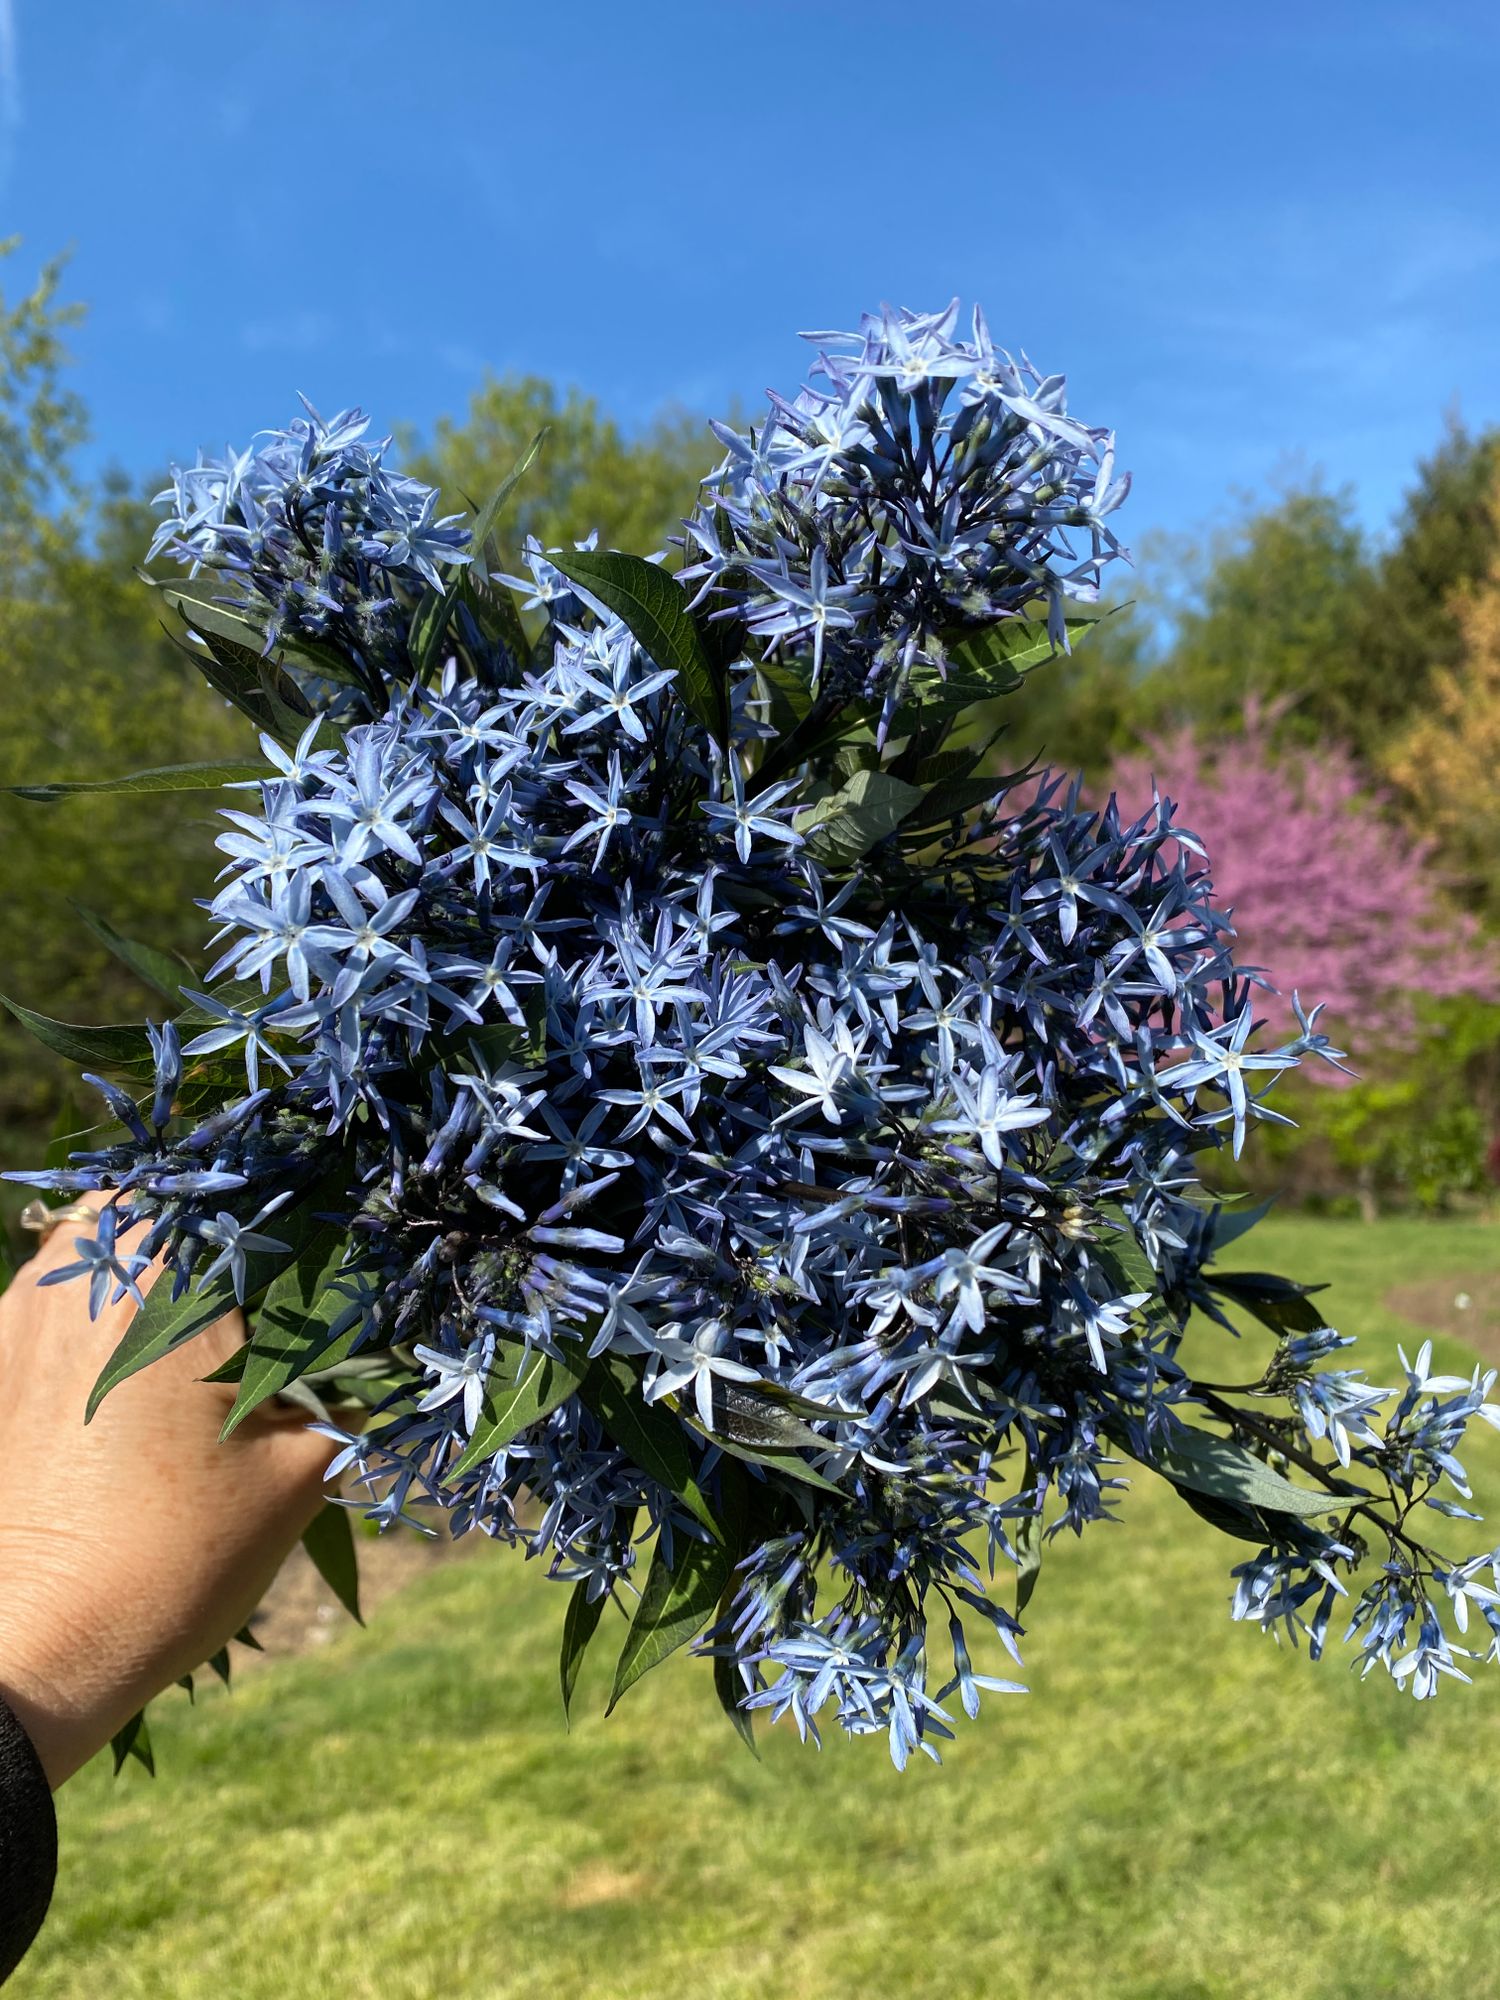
{"x": 1408, "y": 628}
{"x": 1079, "y": 711}
{"x": 89, "y": 685}
{"x": 1288, "y": 608}
{"x": 1415, "y": 1131}
{"x": 634, "y": 490}
{"x": 1266, "y": 617}
{"x": 1260, "y": 614}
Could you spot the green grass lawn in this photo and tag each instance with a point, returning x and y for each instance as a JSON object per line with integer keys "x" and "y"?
{"x": 1179, "y": 1808}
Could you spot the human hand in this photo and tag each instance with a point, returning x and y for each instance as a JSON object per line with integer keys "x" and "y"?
{"x": 132, "y": 1548}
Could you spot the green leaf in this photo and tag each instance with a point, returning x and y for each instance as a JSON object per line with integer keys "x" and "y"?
{"x": 119, "y": 1048}
{"x": 653, "y": 605}
{"x": 515, "y": 1397}
{"x": 497, "y": 1042}
{"x": 163, "y": 778}
{"x": 494, "y": 612}
{"x": 943, "y": 765}
{"x": 758, "y": 1430}
{"x": 1120, "y": 1246}
{"x": 953, "y": 798}
{"x": 489, "y": 515}
{"x": 677, "y": 1602}
{"x": 429, "y": 623}
{"x": 237, "y": 629}
{"x": 984, "y": 665}
{"x": 134, "y": 1740}
{"x": 1246, "y": 1524}
{"x": 1227, "y": 1224}
{"x": 1225, "y": 1470}
{"x": 161, "y": 1325}
{"x": 745, "y": 1417}
{"x": 164, "y": 1323}
{"x": 159, "y": 970}
{"x": 1027, "y": 1541}
{"x": 579, "y": 1626}
{"x": 329, "y": 1542}
{"x": 257, "y": 686}
{"x": 436, "y": 609}
{"x": 1028, "y": 1546}
{"x": 788, "y": 1463}
{"x": 305, "y": 1320}
{"x": 646, "y": 1433}
{"x": 859, "y": 816}
{"x": 1278, "y": 1303}
{"x": 731, "y": 1689}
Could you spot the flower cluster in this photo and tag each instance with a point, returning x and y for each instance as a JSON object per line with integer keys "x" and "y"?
{"x": 733, "y": 1118}
{"x": 919, "y": 487}
{"x": 317, "y": 533}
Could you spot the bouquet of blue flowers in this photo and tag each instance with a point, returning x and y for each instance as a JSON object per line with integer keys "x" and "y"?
{"x": 729, "y": 1140}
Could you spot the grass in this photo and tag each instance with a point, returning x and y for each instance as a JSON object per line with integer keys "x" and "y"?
{"x": 1180, "y": 1810}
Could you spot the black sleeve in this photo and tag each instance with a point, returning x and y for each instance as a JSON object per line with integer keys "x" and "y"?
{"x": 28, "y": 1843}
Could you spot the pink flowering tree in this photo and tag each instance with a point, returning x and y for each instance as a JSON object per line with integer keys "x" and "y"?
{"x": 1332, "y": 899}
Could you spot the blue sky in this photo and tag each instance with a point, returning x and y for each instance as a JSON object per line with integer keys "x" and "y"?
{"x": 1255, "y": 238}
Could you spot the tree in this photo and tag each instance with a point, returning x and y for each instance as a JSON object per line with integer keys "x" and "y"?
{"x": 89, "y": 686}
{"x": 1267, "y": 619}
{"x": 1331, "y": 896}
{"x": 1409, "y": 627}
{"x": 1264, "y": 611}
{"x": 1447, "y": 762}
{"x": 589, "y": 475}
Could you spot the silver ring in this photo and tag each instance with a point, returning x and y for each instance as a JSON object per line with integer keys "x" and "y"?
{"x": 41, "y": 1220}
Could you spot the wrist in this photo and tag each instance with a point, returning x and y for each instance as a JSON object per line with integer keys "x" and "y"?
{"x": 53, "y": 1678}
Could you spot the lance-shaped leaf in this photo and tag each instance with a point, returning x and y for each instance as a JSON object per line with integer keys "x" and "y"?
{"x": 748, "y": 1519}
{"x": 645, "y": 1432}
{"x": 953, "y": 798}
{"x": 222, "y": 621}
{"x": 488, "y": 518}
{"x": 164, "y": 1323}
{"x": 1227, "y": 1224}
{"x": 159, "y": 970}
{"x": 1279, "y": 1303}
{"x": 939, "y": 766}
{"x": 1224, "y": 1470}
{"x": 579, "y": 1627}
{"x": 435, "y": 611}
{"x": 306, "y": 1320}
{"x": 528, "y": 1387}
{"x": 1121, "y": 1250}
{"x": 858, "y": 817}
{"x": 677, "y": 1602}
{"x": 653, "y": 605}
{"x": 329, "y": 1542}
{"x": 731, "y": 1691}
{"x": 745, "y": 1416}
{"x": 759, "y": 1430}
{"x": 983, "y": 665}
{"x": 116, "y": 1047}
{"x": 162, "y": 778}
{"x": 257, "y": 686}
{"x": 1026, "y": 1539}
{"x": 789, "y": 1464}
{"x": 134, "y": 1740}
